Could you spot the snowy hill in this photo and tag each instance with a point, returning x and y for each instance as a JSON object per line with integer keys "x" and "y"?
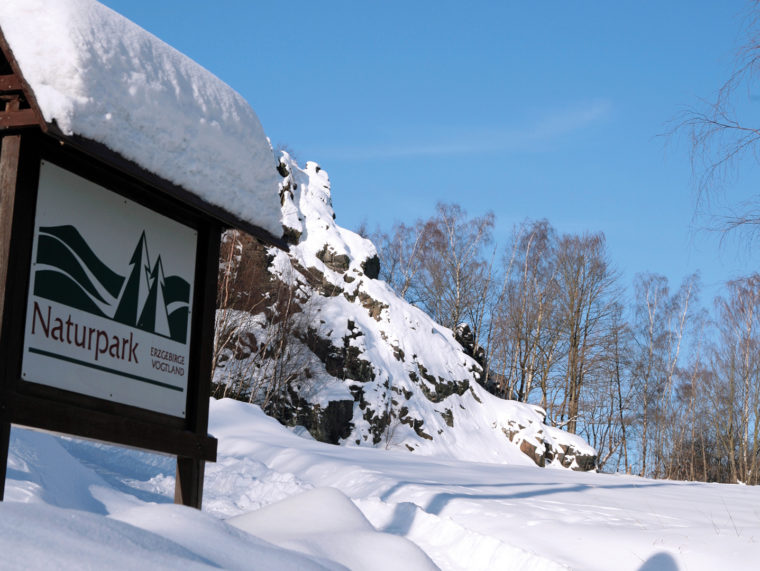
{"x": 368, "y": 368}
{"x": 275, "y": 500}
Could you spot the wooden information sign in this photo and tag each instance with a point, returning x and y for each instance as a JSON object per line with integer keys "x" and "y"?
{"x": 108, "y": 279}
{"x": 108, "y": 289}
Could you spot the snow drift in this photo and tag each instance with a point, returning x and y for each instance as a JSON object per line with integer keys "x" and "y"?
{"x": 275, "y": 500}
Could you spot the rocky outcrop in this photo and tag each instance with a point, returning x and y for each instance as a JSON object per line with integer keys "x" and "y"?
{"x": 570, "y": 457}
{"x": 371, "y": 267}
{"x": 371, "y": 369}
{"x": 537, "y": 443}
{"x": 333, "y": 260}
{"x": 463, "y": 335}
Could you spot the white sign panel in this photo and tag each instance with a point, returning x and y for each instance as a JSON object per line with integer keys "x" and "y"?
{"x": 110, "y": 296}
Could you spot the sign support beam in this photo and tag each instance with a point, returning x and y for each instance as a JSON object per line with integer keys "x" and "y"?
{"x": 10, "y": 146}
{"x": 5, "y": 439}
{"x": 188, "y": 488}
{"x": 9, "y": 159}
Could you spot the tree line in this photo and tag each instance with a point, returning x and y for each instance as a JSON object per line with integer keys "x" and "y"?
{"x": 660, "y": 386}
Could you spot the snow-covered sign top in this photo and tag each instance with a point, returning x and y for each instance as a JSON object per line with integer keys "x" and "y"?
{"x": 98, "y": 75}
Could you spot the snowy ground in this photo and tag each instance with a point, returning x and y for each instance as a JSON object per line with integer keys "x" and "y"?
{"x": 276, "y": 500}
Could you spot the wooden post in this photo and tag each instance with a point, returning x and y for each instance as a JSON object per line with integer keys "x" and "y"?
{"x": 188, "y": 489}
{"x": 10, "y": 146}
{"x": 5, "y": 439}
{"x": 9, "y": 155}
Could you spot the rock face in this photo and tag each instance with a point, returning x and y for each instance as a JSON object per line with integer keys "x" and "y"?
{"x": 546, "y": 445}
{"x": 366, "y": 367}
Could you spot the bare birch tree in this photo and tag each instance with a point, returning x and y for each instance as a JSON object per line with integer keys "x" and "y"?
{"x": 525, "y": 316}
{"x": 737, "y": 366}
{"x": 724, "y": 134}
{"x": 586, "y": 293}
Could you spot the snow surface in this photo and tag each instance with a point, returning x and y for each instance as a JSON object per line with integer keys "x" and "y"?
{"x": 96, "y": 74}
{"x": 275, "y": 500}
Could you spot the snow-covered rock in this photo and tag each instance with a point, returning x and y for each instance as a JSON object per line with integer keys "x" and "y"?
{"x": 371, "y": 369}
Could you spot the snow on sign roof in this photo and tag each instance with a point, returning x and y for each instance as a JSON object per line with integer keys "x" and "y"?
{"x": 97, "y": 75}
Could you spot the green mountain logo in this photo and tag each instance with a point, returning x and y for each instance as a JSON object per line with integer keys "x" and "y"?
{"x": 69, "y": 272}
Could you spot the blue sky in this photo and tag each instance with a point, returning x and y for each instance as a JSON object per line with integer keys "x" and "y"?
{"x": 531, "y": 110}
